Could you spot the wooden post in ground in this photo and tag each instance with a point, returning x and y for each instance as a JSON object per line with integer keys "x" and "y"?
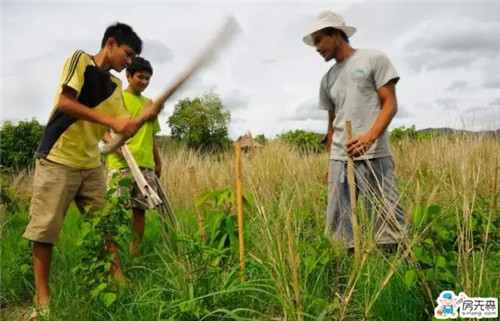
{"x": 199, "y": 215}
{"x": 239, "y": 205}
{"x": 352, "y": 195}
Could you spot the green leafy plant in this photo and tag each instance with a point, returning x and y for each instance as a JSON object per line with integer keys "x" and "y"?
{"x": 107, "y": 224}
{"x": 19, "y": 142}
{"x": 223, "y": 230}
{"x": 436, "y": 254}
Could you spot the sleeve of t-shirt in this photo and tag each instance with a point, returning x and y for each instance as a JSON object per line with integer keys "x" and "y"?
{"x": 325, "y": 102}
{"x": 383, "y": 70}
{"x": 74, "y": 70}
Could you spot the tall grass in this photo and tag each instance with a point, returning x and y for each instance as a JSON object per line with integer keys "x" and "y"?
{"x": 294, "y": 272}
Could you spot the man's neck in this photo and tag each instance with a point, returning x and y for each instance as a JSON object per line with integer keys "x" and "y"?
{"x": 130, "y": 90}
{"x": 100, "y": 60}
{"x": 344, "y": 52}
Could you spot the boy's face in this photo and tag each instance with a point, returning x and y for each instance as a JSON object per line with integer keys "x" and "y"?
{"x": 139, "y": 81}
{"x": 120, "y": 56}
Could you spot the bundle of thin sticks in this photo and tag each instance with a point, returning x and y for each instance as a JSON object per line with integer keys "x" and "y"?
{"x": 158, "y": 201}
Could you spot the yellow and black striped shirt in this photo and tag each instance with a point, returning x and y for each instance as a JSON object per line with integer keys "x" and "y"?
{"x": 71, "y": 141}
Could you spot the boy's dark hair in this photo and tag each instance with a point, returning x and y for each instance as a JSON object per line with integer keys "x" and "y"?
{"x": 330, "y": 31}
{"x": 124, "y": 35}
{"x": 139, "y": 64}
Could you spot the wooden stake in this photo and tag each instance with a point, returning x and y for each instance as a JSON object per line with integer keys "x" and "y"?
{"x": 239, "y": 204}
{"x": 352, "y": 195}
{"x": 199, "y": 214}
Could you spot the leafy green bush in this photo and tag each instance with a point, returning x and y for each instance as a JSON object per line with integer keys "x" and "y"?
{"x": 261, "y": 139}
{"x": 202, "y": 123}
{"x": 19, "y": 142}
{"x": 402, "y": 132}
{"x": 108, "y": 224}
{"x": 308, "y": 142}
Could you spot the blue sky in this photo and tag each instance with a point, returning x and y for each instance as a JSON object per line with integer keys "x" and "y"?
{"x": 447, "y": 54}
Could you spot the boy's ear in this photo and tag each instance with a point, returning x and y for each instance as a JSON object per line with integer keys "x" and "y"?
{"x": 128, "y": 74}
{"x": 111, "y": 42}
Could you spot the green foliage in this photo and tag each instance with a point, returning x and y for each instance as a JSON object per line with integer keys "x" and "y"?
{"x": 308, "y": 142}
{"x": 411, "y": 134}
{"x": 10, "y": 200}
{"x": 261, "y": 139}
{"x": 213, "y": 274}
{"x": 16, "y": 272}
{"x": 400, "y": 133}
{"x": 223, "y": 231}
{"x": 19, "y": 142}
{"x": 202, "y": 123}
{"x": 223, "y": 199}
{"x": 108, "y": 224}
{"x": 437, "y": 254}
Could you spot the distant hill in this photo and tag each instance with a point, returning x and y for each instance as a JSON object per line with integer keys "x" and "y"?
{"x": 448, "y": 131}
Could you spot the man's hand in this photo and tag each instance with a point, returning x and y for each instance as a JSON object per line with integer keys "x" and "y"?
{"x": 119, "y": 151}
{"x": 127, "y": 127}
{"x": 357, "y": 146}
{"x": 107, "y": 138}
{"x": 150, "y": 112}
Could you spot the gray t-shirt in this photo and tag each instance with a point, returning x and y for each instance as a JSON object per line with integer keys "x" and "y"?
{"x": 350, "y": 89}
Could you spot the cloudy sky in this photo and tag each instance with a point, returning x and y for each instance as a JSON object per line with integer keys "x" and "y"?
{"x": 447, "y": 54}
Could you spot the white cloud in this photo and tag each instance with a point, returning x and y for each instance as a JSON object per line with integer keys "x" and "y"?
{"x": 458, "y": 85}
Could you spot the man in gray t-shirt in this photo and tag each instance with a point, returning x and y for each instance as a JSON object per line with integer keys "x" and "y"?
{"x": 359, "y": 87}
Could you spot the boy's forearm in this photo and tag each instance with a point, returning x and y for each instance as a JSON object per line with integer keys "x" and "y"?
{"x": 70, "y": 106}
{"x": 156, "y": 152}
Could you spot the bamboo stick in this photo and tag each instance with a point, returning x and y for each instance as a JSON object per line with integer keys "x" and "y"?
{"x": 148, "y": 193}
{"x": 239, "y": 204}
{"x": 352, "y": 195}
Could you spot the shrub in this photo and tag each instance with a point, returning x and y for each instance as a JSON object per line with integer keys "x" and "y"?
{"x": 19, "y": 142}
{"x": 305, "y": 141}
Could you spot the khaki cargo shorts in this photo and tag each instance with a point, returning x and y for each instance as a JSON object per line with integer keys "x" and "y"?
{"x": 55, "y": 186}
{"x": 137, "y": 200}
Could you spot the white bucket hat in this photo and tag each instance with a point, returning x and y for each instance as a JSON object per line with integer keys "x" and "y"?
{"x": 327, "y": 19}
